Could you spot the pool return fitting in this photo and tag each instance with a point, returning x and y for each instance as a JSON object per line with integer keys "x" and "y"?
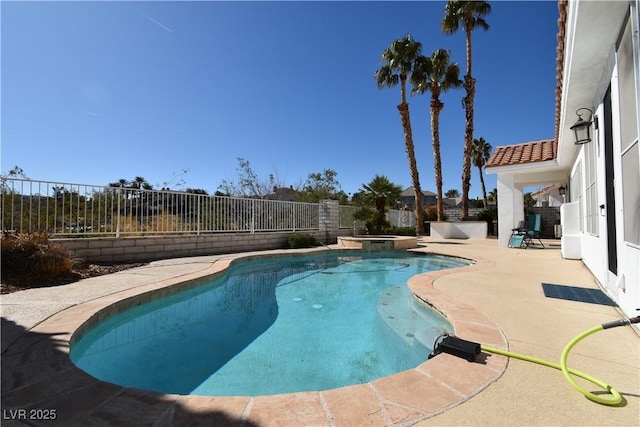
{"x": 470, "y": 350}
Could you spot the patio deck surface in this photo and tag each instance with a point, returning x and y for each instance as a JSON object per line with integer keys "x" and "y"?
{"x": 499, "y": 301}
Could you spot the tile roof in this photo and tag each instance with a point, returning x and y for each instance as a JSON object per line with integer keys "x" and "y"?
{"x": 517, "y": 154}
{"x": 560, "y": 51}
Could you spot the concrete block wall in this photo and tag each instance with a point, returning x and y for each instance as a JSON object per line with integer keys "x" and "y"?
{"x": 113, "y": 250}
{"x": 549, "y": 216}
{"x": 329, "y": 220}
{"x": 455, "y": 214}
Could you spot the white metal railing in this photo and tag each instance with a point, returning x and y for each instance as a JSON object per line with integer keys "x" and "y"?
{"x": 401, "y": 218}
{"x": 346, "y": 216}
{"x": 65, "y": 209}
{"x": 397, "y": 218}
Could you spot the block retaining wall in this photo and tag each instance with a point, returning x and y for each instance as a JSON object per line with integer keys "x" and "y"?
{"x": 111, "y": 250}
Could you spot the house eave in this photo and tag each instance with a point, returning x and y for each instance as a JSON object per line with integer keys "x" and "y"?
{"x": 524, "y": 167}
{"x": 534, "y": 173}
{"x": 588, "y": 44}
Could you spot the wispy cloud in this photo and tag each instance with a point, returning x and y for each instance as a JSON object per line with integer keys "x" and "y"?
{"x": 93, "y": 114}
{"x": 157, "y": 23}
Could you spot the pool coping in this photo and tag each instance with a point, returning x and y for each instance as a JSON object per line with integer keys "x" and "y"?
{"x": 41, "y": 375}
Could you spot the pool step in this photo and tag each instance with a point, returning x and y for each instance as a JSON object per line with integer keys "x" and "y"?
{"x": 410, "y": 320}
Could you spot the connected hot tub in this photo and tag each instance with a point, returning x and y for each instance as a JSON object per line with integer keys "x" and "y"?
{"x": 378, "y": 243}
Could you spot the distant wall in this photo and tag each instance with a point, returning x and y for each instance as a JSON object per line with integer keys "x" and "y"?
{"x": 459, "y": 230}
{"x": 455, "y": 214}
{"x": 549, "y": 216}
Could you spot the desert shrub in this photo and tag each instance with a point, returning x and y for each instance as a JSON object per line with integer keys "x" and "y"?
{"x": 489, "y": 215}
{"x": 34, "y": 255}
{"x": 301, "y": 240}
{"x": 402, "y": 231}
{"x": 431, "y": 214}
{"x": 375, "y": 221}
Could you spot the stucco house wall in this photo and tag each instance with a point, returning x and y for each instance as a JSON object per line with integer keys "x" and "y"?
{"x": 597, "y": 69}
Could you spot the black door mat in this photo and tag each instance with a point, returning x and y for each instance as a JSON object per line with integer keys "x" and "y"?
{"x": 574, "y": 293}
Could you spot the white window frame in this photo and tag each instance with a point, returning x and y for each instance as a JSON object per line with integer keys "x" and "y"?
{"x": 630, "y": 198}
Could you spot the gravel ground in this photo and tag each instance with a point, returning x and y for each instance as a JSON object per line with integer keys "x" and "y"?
{"x": 19, "y": 282}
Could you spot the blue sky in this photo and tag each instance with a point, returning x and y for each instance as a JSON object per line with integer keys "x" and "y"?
{"x": 97, "y": 91}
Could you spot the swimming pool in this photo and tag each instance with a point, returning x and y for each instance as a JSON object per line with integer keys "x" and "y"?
{"x": 272, "y": 326}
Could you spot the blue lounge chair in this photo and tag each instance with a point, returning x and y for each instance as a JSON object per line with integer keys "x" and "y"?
{"x": 532, "y": 231}
{"x": 517, "y": 235}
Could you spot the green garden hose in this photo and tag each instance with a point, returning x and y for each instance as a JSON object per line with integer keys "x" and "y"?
{"x": 612, "y": 399}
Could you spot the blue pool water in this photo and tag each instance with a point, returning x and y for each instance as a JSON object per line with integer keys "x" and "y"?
{"x": 273, "y": 326}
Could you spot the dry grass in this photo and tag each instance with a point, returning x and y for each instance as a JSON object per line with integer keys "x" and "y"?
{"x": 163, "y": 222}
{"x": 35, "y": 254}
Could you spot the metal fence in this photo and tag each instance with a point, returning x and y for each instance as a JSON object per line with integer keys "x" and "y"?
{"x": 397, "y": 218}
{"x": 64, "y": 209}
{"x": 401, "y": 218}
{"x": 83, "y": 210}
{"x": 346, "y": 217}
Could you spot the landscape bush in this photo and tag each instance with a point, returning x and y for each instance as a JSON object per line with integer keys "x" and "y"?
{"x": 375, "y": 221}
{"x": 489, "y": 215}
{"x": 301, "y": 240}
{"x": 402, "y": 231}
{"x": 32, "y": 254}
{"x": 431, "y": 214}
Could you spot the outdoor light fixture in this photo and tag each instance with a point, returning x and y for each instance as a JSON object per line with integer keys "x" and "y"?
{"x": 562, "y": 190}
{"x": 582, "y": 128}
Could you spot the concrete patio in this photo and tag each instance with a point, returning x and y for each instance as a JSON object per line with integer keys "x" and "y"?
{"x": 499, "y": 301}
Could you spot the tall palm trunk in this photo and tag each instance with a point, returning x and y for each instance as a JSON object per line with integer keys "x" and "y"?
{"x": 436, "y": 107}
{"x": 411, "y": 155}
{"x": 470, "y": 87}
{"x": 403, "y": 108}
{"x": 484, "y": 190}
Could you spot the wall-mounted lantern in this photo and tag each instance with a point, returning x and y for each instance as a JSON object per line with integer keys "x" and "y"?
{"x": 582, "y": 128}
{"x": 562, "y": 190}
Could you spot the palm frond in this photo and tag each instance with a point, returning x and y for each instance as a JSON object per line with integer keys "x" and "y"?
{"x": 385, "y": 77}
{"x": 451, "y": 21}
{"x": 435, "y": 72}
{"x": 398, "y": 61}
{"x": 452, "y": 78}
{"x": 469, "y": 14}
{"x": 480, "y": 152}
{"x": 422, "y": 69}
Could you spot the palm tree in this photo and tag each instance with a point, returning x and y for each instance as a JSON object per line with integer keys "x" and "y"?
{"x": 452, "y": 194}
{"x": 469, "y": 15}
{"x": 137, "y": 183}
{"x": 119, "y": 183}
{"x": 436, "y": 75}
{"x": 398, "y": 61}
{"x": 381, "y": 191}
{"x": 493, "y": 195}
{"x": 141, "y": 183}
{"x": 480, "y": 153}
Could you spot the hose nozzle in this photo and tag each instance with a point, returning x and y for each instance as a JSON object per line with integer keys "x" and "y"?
{"x": 621, "y": 322}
